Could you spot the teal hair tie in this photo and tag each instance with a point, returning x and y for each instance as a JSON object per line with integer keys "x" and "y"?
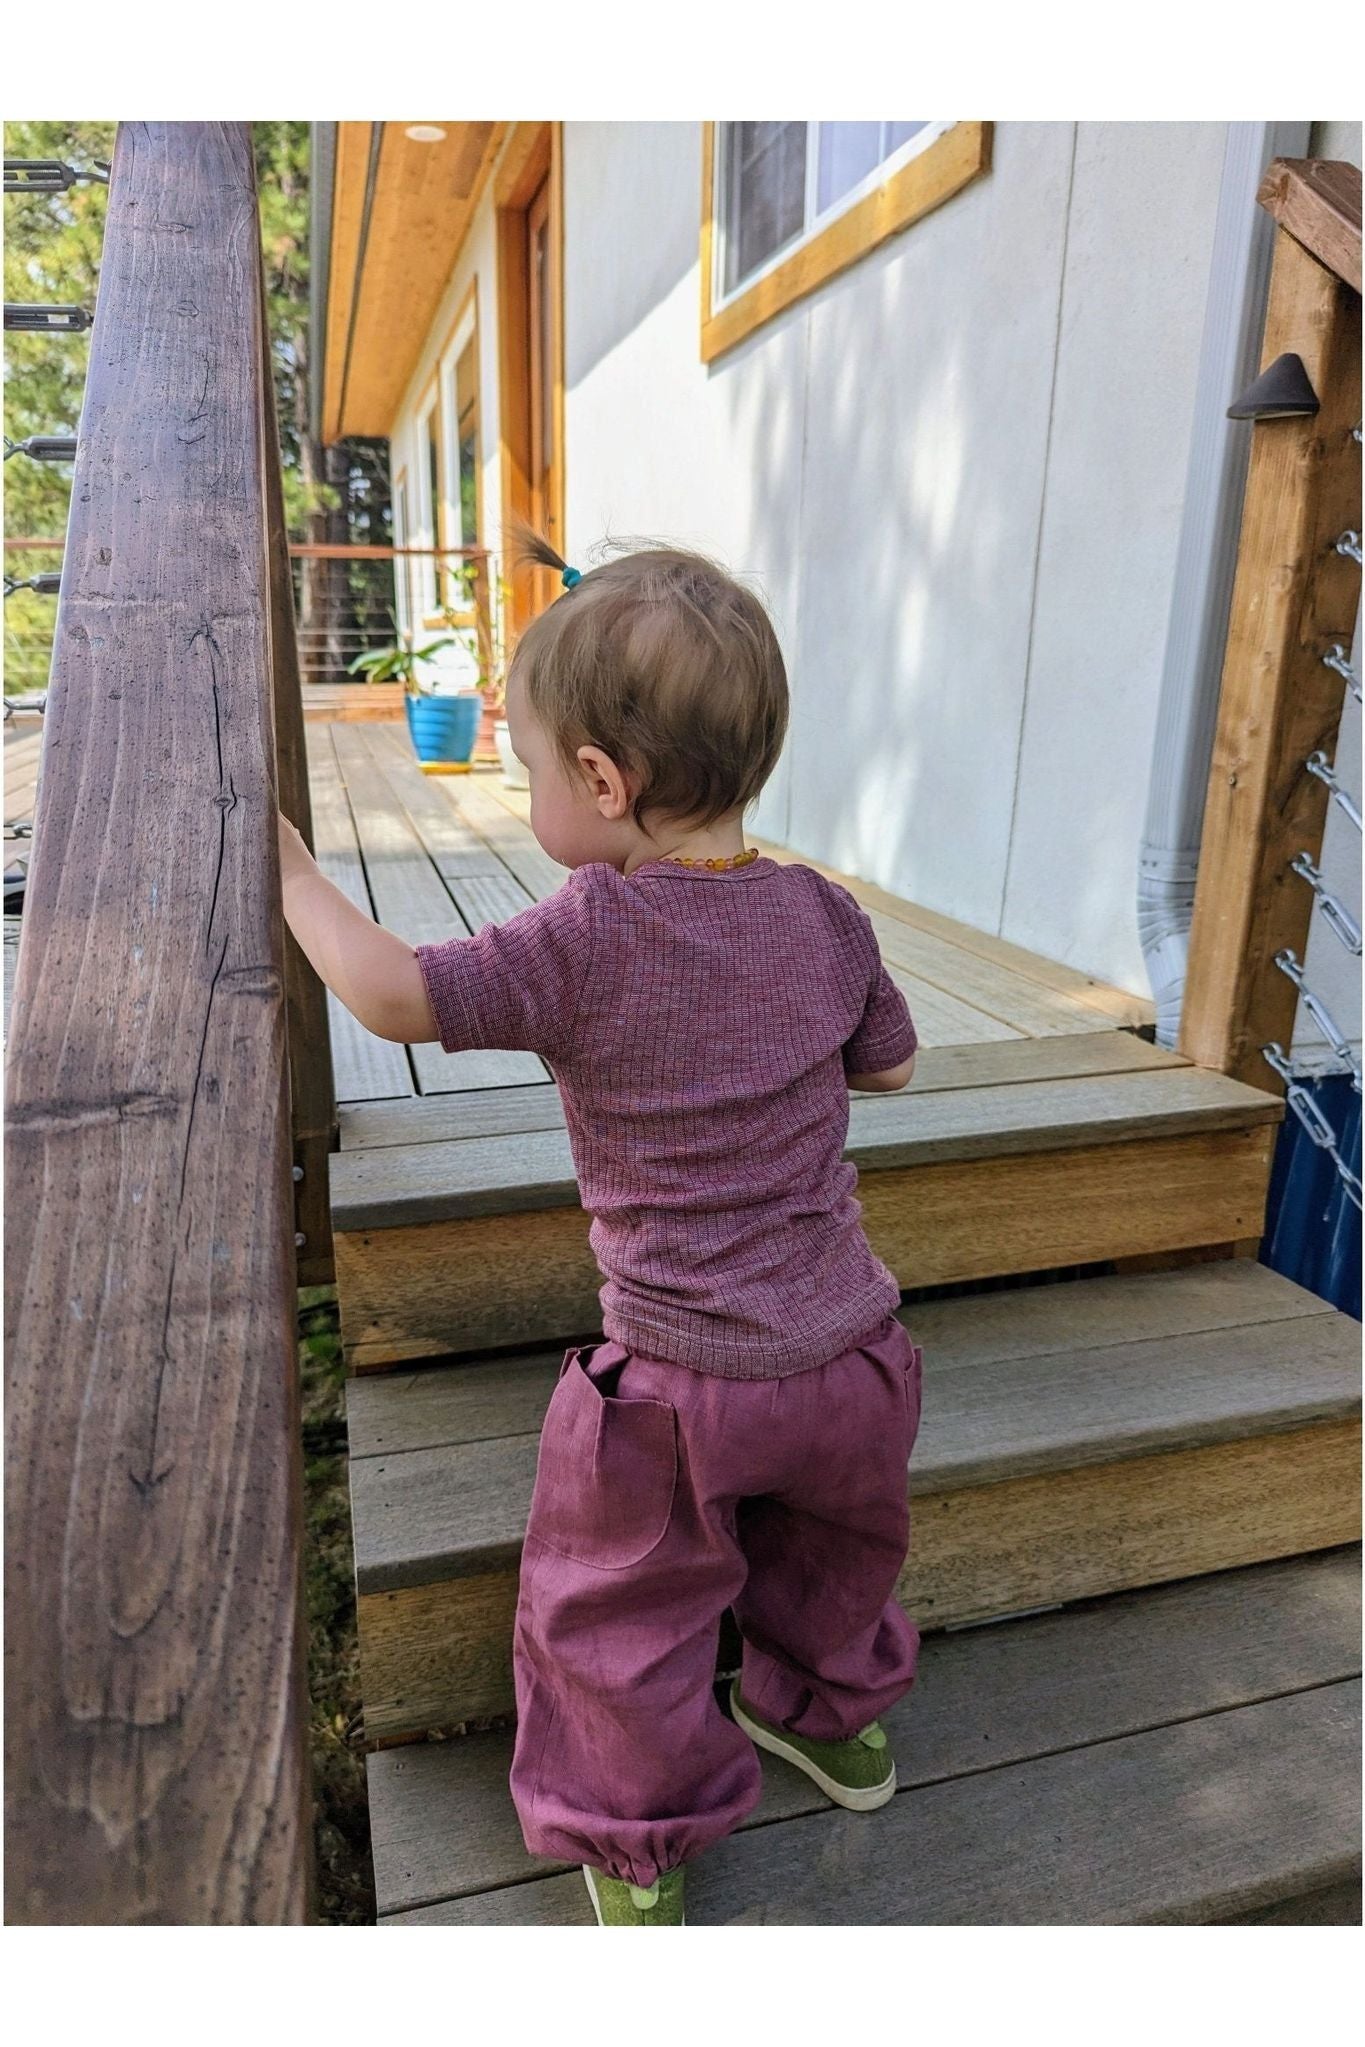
{"x": 570, "y": 577}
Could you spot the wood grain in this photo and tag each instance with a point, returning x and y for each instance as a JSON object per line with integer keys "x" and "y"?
{"x": 442, "y": 1823}
{"x": 456, "y": 1504}
{"x": 155, "y": 1708}
{"x": 434, "y": 1655}
{"x": 505, "y": 1396}
{"x": 312, "y": 1102}
{"x": 1319, "y": 204}
{"x": 492, "y": 1112}
{"x": 1292, "y": 597}
{"x": 366, "y": 1068}
{"x": 439, "y": 1289}
{"x": 1217, "y": 1816}
{"x": 434, "y": 1182}
{"x": 411, "y": 898}
{"x": 422, "y": 200}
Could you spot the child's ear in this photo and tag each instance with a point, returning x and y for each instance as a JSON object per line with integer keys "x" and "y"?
{"x": 607, "y": 787}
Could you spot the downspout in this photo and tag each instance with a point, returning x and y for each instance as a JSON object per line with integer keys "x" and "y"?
{"x": 1206, "y": 558}
{"x": 322, "y": 175}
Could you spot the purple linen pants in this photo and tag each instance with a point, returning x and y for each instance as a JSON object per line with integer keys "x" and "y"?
{"x": 663, "y": 1496}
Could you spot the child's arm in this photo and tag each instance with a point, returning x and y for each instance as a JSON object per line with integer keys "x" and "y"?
{"x": 373, "y": 971}
{"x": 883, "y": 1083}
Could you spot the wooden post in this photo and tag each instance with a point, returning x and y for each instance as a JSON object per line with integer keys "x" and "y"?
{"x": 312, "y": 1102}
{"x": 156, "y": 1714}
{"x": 1293, "y": 596}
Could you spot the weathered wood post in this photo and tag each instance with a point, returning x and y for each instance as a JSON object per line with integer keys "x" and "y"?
{"x": 156, "y": 1714}
{"x": 313, "y": 1105}
{"x": 1293, "y": 597}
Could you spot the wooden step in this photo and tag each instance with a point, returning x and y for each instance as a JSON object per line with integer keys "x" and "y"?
{"x": 475, "y": 1239}
{"x": 1077, "y": 1439}
{"x": 1211, "y": 1727}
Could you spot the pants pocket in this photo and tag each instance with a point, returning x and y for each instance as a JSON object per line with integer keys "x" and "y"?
{"x": 914, "y": 1387}
{"x": 606, "y": 1474}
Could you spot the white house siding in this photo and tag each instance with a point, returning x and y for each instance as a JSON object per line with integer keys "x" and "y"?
{"x": 955, "y": 473}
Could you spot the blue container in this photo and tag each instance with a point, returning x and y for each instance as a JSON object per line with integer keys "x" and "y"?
{"x": 1312, "y": 1230}
{"x": 443, "y": 728}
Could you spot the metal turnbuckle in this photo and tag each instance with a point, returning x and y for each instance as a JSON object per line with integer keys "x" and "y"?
{"x": 1301, "y": 1104}
{"x": 1291, "y": 967}
{"x": 1334, "y": 911}
{"x": 46, "y": 319}
{"x": 1337, "y": 658}
{"x": 1348, "y": 543}
{"x": 47, "y": 583}
{"x": 1319, "y": 766}
{"x": 50, "y": 174}
{"x": 43, "y": 447}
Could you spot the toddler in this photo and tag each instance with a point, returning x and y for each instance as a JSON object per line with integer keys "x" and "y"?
{"x": 740, "y": 1439}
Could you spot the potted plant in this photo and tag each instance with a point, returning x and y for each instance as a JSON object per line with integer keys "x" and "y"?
{"x": 443, "y": 724}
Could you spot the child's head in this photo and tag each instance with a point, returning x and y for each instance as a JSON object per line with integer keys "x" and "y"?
{"x": 650, "y": 696}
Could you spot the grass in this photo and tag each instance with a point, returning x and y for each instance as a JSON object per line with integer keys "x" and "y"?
{"x": 341, "y": 1824}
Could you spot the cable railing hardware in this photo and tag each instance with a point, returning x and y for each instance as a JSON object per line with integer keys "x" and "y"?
{"x": 21, "y": 319}
{"x": 44, "y": 448}
{"x": 1290, "y": 965}
{"x": 1319, "y": 766}
{"x": 47, "y": 583}
{"x": 1337, "y": 659}
{"x": 1348, "y": 543}
{"x": 50, "y": 174}
{"x": 1334, "y": 911}
{"x": 1301, "y": 1104}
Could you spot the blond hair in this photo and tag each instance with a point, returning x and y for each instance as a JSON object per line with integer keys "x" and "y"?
{"x": 670, "y": 666}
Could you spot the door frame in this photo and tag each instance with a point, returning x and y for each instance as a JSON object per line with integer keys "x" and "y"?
{"x": 532, "y": 158}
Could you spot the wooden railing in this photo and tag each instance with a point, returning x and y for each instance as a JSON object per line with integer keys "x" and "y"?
{"x": 1296, "y": 595}
{"x": 155, "y": 1700}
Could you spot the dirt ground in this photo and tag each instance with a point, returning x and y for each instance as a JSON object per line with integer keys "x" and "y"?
{"x": 341, "y": 1825}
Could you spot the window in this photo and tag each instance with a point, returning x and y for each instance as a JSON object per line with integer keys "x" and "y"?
{"x": 425, "y": 579}
{"x": 789, "y": 204}
{"x": 467, "y": 442}
{"x": 402, "y": 566}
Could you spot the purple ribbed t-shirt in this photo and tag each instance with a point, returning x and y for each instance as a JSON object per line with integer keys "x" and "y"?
{"x": 701, "y": 1026}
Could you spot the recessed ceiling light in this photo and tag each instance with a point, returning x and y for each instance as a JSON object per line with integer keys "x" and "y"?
{"x": 425, "y": 131}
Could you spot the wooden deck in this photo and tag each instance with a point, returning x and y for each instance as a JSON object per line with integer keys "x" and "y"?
{"x": 1011, "y": 1152}
{"x": 434, "y": 855}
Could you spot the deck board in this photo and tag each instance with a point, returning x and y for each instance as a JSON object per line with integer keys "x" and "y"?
{"x": 443, "y": 1825}
{"x": 435, "y": 856}
{"x": 411, "y": 897}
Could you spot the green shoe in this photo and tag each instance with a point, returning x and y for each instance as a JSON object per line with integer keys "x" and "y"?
{"x": 858, "y": 1774}
{"x": 618, "y": 1904}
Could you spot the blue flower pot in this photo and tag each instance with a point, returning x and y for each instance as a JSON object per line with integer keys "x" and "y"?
{"x": 443, "y": 730}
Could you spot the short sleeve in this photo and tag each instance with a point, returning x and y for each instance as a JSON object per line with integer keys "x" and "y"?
{"x": 514, "y": 987}
{"x": 886, "y": 1034}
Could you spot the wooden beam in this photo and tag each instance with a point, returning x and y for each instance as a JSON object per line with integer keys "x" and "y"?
{"x": 437, "y": 1654}
{"x": 1293, "y": 596}
{"x": 312, "y": 1103}
{"x": 156, "y": 1715}
{"x": 1319, "y": 205}
{"x": 429, "y": 1289}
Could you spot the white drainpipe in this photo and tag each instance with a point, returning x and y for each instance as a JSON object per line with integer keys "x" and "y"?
{"x": 1206, "y": 559}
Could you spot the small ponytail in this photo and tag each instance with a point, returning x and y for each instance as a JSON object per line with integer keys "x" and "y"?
{"x": 533, "y": 549}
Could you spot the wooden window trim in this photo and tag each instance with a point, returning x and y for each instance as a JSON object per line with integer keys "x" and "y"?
{"x": 447, "y": 361}
{"x": 534, "y": 152}
{"x": 950, "y": 162}
{"x": 433, "y": 398}
{"x": 402, "y": 566}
